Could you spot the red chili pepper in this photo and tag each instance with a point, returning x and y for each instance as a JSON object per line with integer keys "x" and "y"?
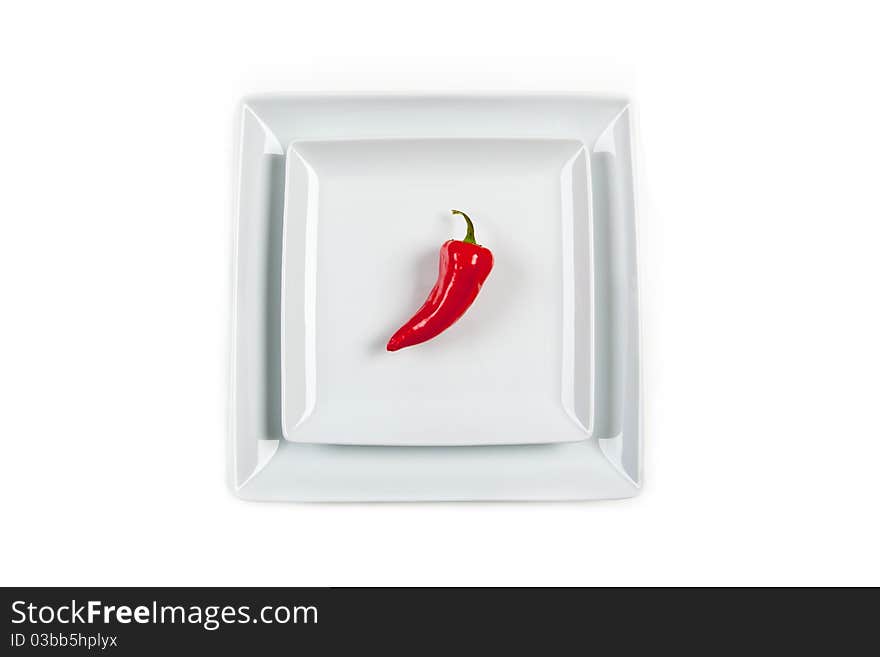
{"x": 464, "y": 265}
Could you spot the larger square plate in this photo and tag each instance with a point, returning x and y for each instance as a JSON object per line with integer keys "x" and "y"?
{"x": 606, "y": 464}
{"x": 362, "y": 226}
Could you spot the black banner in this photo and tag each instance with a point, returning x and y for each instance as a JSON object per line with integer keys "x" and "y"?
{"x": 135, "y": 621}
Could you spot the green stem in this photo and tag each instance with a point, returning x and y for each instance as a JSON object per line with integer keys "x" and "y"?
{"x": 469, "y": 238}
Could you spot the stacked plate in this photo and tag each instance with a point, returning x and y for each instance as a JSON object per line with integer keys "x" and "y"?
{"x": 343, "y": 203}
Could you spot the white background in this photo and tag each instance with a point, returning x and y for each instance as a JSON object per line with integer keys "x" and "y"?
{"x": 760, "y": 234}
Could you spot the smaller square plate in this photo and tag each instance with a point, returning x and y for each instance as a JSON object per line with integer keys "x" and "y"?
{"x": 363, "y": 223}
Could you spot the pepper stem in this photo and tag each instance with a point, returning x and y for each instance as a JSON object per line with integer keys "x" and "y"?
{"x": 469, "y": 238}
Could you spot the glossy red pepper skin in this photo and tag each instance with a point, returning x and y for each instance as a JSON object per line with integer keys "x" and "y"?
{"x": 464, "y": 266}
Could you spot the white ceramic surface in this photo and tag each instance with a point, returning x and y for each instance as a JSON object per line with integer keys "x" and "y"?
{"x": 266, "y": 467}
{"x": 363, "y": 224}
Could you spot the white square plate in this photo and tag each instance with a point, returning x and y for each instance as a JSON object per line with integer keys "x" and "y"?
{"x": 363, "y": 223}
{"x": 533, "y": 128}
